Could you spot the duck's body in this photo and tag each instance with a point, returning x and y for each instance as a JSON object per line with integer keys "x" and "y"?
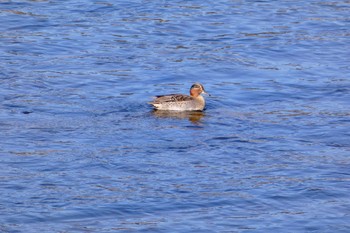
{"x": 180, "y": 102}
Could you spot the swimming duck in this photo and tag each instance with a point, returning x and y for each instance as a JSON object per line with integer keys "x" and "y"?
{"x": 180, "y": 102}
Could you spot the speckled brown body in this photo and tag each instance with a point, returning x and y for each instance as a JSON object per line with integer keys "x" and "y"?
{"x": 180, "y": 102}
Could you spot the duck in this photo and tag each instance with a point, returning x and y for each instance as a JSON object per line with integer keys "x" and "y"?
{"x": 181, "y": 102}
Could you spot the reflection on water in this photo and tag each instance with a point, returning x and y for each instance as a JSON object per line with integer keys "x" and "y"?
{"x": 192, "y": 116}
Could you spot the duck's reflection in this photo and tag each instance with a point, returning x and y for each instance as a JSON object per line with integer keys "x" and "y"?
{"x": 193, "y": 116}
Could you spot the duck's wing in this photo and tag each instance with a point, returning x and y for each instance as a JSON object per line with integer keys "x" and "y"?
{"x": 171, "y": 98}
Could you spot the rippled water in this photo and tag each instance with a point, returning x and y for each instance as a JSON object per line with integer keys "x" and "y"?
{"x": 81, "y": 151}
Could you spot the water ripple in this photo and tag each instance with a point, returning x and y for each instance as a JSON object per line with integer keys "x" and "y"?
{"x": 82, "y": 151}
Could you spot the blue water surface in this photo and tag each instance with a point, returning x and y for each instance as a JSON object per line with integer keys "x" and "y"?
{"x": 82, "y": 151}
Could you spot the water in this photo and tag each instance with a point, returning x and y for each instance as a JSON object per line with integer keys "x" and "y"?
{"x": 81, "y": 151}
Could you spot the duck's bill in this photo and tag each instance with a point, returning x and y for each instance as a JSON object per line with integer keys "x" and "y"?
{"x": 204, "y": 92}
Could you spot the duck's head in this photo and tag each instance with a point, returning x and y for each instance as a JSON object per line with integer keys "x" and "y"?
{"x": 197, "y": 89}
